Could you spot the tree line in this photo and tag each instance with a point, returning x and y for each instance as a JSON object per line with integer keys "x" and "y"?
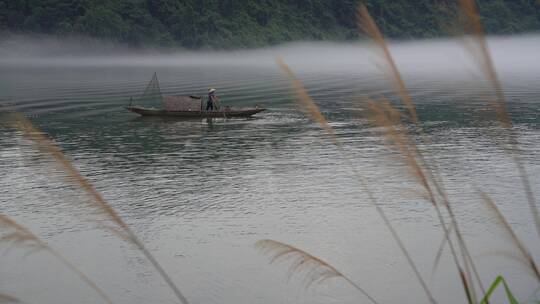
{"x": 226, "y": 24}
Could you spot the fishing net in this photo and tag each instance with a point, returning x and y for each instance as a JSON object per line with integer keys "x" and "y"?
{"x": 183, "y": 103}
{"x": 151, "y": 97}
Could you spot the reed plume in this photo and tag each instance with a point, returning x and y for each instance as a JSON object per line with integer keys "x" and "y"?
{"x": 470, "y": 20}
{"x": 384, "y": 115}
{"x": 21, "y": 236}
{"x": 526, "y": 257}
{"x": 425, "y": 170}
{"x": 315, "y": 113}
{"x": 315, "y": 269}
{"x": 368, "y": 26}
{"x": 125, "y": 232}
{"x": 307, "y": 101}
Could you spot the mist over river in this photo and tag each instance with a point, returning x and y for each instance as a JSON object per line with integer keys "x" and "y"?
{"x": 200, "y": 193}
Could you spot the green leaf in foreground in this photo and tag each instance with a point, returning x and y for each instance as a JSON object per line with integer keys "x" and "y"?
{"x": 494, "y": 285}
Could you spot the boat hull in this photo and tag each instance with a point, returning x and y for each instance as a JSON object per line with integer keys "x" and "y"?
{"x": 195, "y": 114}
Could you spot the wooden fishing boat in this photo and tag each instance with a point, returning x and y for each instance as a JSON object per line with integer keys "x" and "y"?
{"x": 227, "y": 113}
{"x": 181, "y": 106}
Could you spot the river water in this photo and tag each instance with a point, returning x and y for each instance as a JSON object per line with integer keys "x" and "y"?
{"x": 199, "y": 194}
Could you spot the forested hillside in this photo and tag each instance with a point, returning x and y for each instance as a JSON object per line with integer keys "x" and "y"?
{"x": 249, "y": 23}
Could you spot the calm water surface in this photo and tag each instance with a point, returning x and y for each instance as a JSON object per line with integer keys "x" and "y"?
{"x": 200, "y": 193}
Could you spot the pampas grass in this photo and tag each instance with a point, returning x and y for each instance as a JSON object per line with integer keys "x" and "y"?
{"x": 525, "y": 257}
{"x": 479, "y": 51}
{"x": 307, "y": 102}
{"x": 384, "y": 115}
{"x": 315, "y": 269}
{"x": 391, "y": 120}
{"x": 388, "y": 117}
{"x": 122, "y": 229}
{"x": 19, "y": 235}
{"x": 426, "y": 172}
{"x": 367, "y": 25}
{"x": 316, "y": 115}
{"x": 394, "y": 124}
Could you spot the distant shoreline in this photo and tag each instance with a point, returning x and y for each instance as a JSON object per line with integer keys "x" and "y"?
{"x": 250, "y": 24}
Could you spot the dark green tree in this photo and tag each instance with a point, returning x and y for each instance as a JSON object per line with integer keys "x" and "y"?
{"x": 251, "y": 23}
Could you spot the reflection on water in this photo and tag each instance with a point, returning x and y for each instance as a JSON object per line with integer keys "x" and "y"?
{"x": 201, "y": 193}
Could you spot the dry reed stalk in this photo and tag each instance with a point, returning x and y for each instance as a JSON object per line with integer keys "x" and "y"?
{"x": 20, "y": 235}
{"x": 525, "y": 255}
{"x": 389, "y": 118}
{"x": 313, "y": 110}
{"x": 480, "y": 52}
{"x": 5, "y": 299}
{"x": 48, "y": 147}
{"x": 316, "y": 269}
{"x": 307, "y": 101}
{"x": 369, "y": 27}
{"x": 438, "y": 256}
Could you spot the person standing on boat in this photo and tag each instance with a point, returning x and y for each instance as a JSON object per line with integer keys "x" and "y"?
{"x": 212, "y": 100}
